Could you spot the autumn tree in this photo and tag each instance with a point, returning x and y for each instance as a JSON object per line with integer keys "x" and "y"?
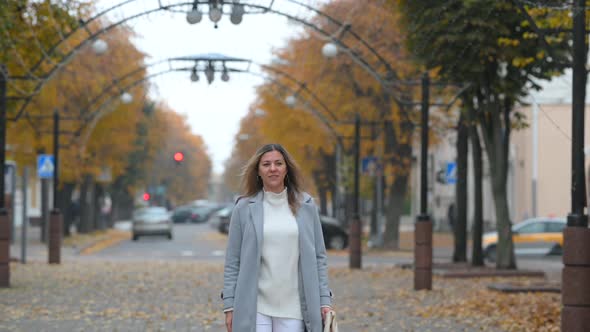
{"x": 96, "y": 129}
{"x": 348, "y": 89}
{"x": 485, "y": 44}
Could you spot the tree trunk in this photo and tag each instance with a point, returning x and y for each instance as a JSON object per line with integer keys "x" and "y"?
{"x": 505, "y": 249}
{"x": 349, "y": 199}
{"x": 122, "y": 205}
{"x": 496, "y": 134}
{"x": 334, "y": 198}
{"x": 64, "y": 205}
{"x": 99, "y": 220}
{"x": 460, "y": 226}
{"x": 394, "y": 210}
{"x": 86, "y": 202}
{"x": 477, "y": 230}
{"x": 323, "y": 200}
{"x": 374, "y": 212}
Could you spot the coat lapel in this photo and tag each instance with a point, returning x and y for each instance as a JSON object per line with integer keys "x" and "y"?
{"x": 257, "y": 216}
{"x": 300, "y": 217}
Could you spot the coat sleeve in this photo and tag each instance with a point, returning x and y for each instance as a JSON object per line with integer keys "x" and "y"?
{"x": 232, "y": 259}
{"x": 322, "y": 260}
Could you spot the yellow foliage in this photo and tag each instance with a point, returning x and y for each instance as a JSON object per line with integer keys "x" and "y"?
{"x": 81, "y": 90}
{"x": 333, "y": 91}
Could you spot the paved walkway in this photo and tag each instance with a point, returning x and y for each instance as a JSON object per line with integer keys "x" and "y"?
{"x": 184, "y": 296}
{"x": 84, "y": 294}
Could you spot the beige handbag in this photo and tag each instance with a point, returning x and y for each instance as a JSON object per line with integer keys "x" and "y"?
{"x": 330, "y": 324}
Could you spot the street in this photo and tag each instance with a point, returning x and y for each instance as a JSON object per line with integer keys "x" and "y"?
{"x": 201, "y": 242}
{"x": 189, "y": 242}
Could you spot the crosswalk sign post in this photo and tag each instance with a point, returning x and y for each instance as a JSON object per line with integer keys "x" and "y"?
{"x": 45, "y": 166}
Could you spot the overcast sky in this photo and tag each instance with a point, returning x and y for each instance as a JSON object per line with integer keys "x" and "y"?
{"x": 213, "y": 111}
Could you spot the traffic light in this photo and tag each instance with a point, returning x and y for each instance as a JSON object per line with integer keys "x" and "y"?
{"x": 146, "y": 196}
{"x": 178, "y": 157}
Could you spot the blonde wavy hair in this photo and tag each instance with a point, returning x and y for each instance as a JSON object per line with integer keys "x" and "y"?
{"x": 252, "y": 184}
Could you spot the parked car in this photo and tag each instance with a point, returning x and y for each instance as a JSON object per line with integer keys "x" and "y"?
{"x": 532, "y": 237}
{"x": 335, "y": 236}
{"x": 153, "y": 220}
{"x": 220, "y": 219}
{"x": 192, "y": 214}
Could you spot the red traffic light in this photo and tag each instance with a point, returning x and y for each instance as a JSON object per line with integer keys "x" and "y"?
{"x": 178, "y": 157}
{"x": 146, "y": 196}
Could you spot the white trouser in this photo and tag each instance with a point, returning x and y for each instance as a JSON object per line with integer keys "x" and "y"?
{"x": 266, "y": 323}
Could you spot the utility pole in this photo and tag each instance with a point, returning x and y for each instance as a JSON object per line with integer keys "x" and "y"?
{"x": 575, "y": 289}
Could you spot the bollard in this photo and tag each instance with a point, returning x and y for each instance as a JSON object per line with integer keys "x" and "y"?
{"x": 5, "y": 226}
{"x": 575, "y": 288}
{"x": 423, "y": 253}
{"x": 55, "y": 234}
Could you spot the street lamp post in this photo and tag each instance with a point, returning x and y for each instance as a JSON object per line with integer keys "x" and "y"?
{"x": 423, "y": 228}
{"x": 55, "y": 157}
{"x": 55, "y": 218}
{"x": 4, "y": 220}
{"x": 355, "y": 256}
{"x": 575, "y": 289}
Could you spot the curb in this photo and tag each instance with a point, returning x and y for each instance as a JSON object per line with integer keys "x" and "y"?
{"x": 487, "y": 272}
{"x": 516, "y": 288}
{"x": 462, "y": 270}
{"x": 115, "y": 237}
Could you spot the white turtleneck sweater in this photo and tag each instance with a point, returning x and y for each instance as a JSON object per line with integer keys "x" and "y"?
{"x": 278, "y": 281}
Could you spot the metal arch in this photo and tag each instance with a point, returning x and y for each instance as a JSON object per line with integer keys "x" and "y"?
{"x": 307, "y": 105}
{"x": 67, "y": 57}
{"x": 388, "y": 67}
{"x": 95, "y": 116}
{"x": 302, "y": 85}
{"x": 264, "y": 9}
{"x": 223, "y": 59}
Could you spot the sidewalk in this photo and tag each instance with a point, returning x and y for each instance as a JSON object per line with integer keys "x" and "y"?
{"x": 72, "y": 247}
{"x": 184, "y": 296}
{"x": 36, "y": 251}
{"x": 97, "y": 295}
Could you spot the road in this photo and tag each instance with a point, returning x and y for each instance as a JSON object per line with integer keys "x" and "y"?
{"x": 201, "y": 242}
{"x": 189, "y": 242}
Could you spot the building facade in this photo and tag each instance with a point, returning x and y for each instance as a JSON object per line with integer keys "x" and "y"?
{"x": 539, "y": 171}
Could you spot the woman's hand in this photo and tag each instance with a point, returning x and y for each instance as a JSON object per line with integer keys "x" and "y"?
{"x": 229, "y": 316}
{"x": 324, "y": 312}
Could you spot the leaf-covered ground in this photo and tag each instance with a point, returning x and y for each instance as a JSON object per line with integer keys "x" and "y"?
{"x": 184, "y": 296}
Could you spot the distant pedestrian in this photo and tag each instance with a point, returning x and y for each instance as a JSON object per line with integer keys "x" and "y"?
{"x": 276, "y": 271}
{"x": 74, "y": 210}
{"x": 452, "y": 216}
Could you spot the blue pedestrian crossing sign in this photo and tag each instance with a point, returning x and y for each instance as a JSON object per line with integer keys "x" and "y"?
{"x": 451, "y": 174}
{"x": 369, "y": 165}
{"x": 45, "y": 166}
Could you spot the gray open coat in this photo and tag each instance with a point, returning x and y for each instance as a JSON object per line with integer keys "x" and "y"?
{"x": 242, "y": 263}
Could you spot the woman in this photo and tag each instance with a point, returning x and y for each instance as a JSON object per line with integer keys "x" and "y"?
{"x": 276, "y": 274}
